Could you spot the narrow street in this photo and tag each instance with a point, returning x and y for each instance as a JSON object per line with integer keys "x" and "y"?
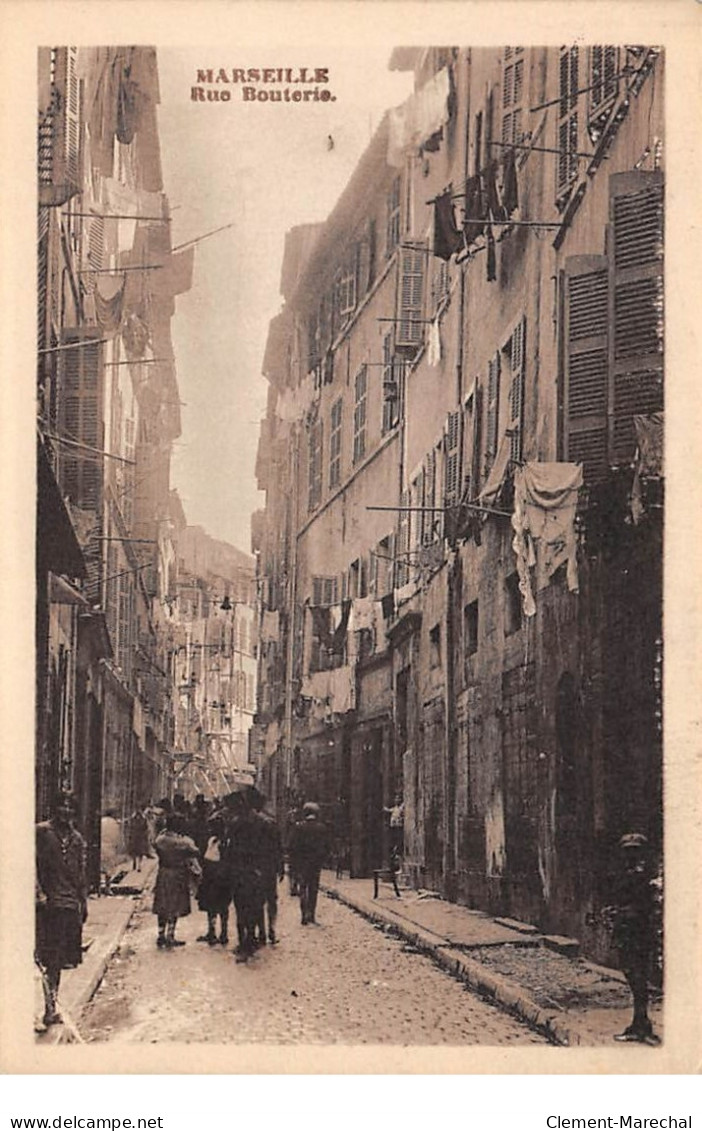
{"x": 341, "y": 981}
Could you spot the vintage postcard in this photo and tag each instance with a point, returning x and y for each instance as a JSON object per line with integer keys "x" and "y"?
{"x": 350, "y": 467}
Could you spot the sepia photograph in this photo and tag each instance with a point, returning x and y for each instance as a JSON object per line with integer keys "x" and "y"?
{"x": 348, "y": 552}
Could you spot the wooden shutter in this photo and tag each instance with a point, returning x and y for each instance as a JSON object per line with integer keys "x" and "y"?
{"x": 80, "y": 420}
{"x": 636, "y": 304}
{"x": 452, "y": 465}
{"x": 475, "y": 474}
{"x": 493, "y": 410}
{"x": 410, "y": 299}
{"x": 516, "y": 390}
{"x": 429, "y": 498}
{"x": 585, "y": 364}
{"x": 67, "y": 152}
{"x": 402, "y": 567}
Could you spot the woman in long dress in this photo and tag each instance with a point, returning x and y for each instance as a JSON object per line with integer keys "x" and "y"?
{"x": 175, "y": 852}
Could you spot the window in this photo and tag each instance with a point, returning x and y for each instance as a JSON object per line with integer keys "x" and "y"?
{"x": 493, "y": 411}
{"x": 360, "y": 414}
{"x": 372, "y": 251}
{"x": 604, "y": 82}
{"x": 432, "y": 523}
{"x": 391, "y": 385}
{"x": 567, "y": 167}
{"x": 410, "y": 328}
{"x": 325, "y": 591}
{"x": 440, "y": 281}
{"x": 381, "y": 567}
{"x": 515, "y": 351}
{"x": 345, "y": 286}
{"x": 416, "y": 517}
{"x": 513, "y": 605}
{"x": 314, "y": 493}
{"x": 513, "y": 95}
{"x": 614, "y": 369}
{"x": 80, "y": 419}
{"x": 392, "y": 237}
{"x": 435, "y": 646}
{"x": 470, "y": 628}
{"x": 402, "y": 568}
{"x": 335, "y": 445}
{"x": 452, "y": 459}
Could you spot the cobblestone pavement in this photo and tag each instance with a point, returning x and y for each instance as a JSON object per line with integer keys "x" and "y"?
{"x": 341, "y": 981}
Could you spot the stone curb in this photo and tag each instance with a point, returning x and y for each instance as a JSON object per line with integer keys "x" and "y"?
{"x": 82, "y": 994}
{"x": 494, "y": 987}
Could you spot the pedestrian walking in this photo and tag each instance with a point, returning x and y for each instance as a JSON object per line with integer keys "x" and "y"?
{"x": 294, "y": 816}
{"x": 214, "y": 893}
{"x": 243, "y": 856}
{"x": 634, "y": 932}
{"x": 138, "y": 837}
{"x": 61, "y": 900}
{"x": 175, "y": 852}
{"x": 271, "y": 866}
{"x": 309, "y": 850}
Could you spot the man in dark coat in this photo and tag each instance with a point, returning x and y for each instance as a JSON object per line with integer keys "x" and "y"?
{"x": 61, "y": 899}
{"x": 242, "y": 856}
{"x": 633, "y": 935}
{"x": 308, "y": 852}
{"x": 271, "y": 865}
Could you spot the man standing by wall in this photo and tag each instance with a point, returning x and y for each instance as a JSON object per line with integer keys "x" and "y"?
{"x": 61, "y": 899}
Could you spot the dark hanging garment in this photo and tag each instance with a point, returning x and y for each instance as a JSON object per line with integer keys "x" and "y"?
{"x": 491, "y": 256}
{"x": 328, "y": 367}
{"x": 388, "y": 605}
{"x": 447, "y": 238}
{"x": 432, "y": 144}
{"x": 109, "y": 302}
{"x": 339, "y": 637}
{"x": 474, "y": 210}
{"x": 321, "y": 624}
{"x": 130, "y": 103}
{"x": 494, "y": 203}
{"x": 510, "y": 188}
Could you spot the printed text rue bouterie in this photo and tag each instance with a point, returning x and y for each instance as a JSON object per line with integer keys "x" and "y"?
{"x": 263, "y": 84}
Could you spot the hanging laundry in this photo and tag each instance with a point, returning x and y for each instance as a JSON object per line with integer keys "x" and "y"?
{"x": 338, "y": 640}
{"x": 510, "y": 188}
{"x": 431, "y": 557}
{"x": 379, "y": 627}
{"x": 321, "y": 624}
{"x": 109, "y": 302}
{"x": 497, "y": 473}
{"x": 405, "y": 592}
{"x": 545, "y": 500}
{"x": 447, "y": 237}
{"x": 419, "y": 117}
{"x": 434, "y": 344}
{"x": 342, "y": 689}
{"x": 492, "y": 192}
{"x": 328, "y": 367}
{"x": 388, "y": 605}
{"x": 522, "y": 545}
{"x": 131, "y": 101}
{"x": 135, "y": 335}
{"x": 362, "y": 613}
{"x": 475, "y": 209}
{"x": 649, "y": 438}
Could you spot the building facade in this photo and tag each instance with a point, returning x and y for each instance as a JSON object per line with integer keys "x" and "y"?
{"x": 108, "y": 412}
{"x": 461, "y": 550}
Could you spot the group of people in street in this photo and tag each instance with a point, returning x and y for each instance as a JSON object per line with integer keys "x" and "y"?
{"x": 233, "y": 853}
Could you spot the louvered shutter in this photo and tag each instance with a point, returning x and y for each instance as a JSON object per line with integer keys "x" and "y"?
{"x": 419, "y": 516}
{"x": 410, "y": 299}
{"x": 80, "y": 420}
{"x": 493, "y": 409}
{"x": 636, "y": 304}
{"x": 516, "y": 390}
{"x": 402, "y": 567}
{"x": 67, "y": 151}
{"x": 429, "y": 498}
{"x": 475, "y": 476}
{"x": 585, "y": 364}
{"x": 452, "y": 465}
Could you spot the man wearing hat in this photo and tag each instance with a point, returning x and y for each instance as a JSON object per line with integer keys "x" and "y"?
{"x": 61, "y": 899}
{"x": 633, "y": 917}
{"x": 308, "y": 852}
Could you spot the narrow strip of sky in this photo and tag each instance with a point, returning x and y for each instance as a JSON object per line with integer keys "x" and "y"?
{"x": 267, "y": 167}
